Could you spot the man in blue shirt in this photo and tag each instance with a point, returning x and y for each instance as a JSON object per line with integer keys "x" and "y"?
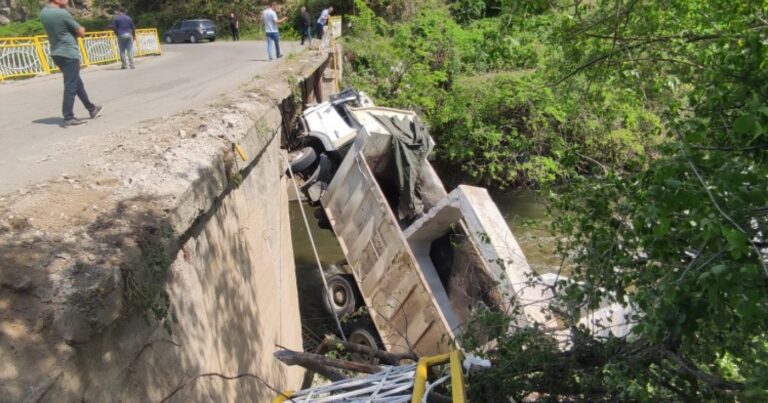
{"x": 270, "y": 26}
{"x": 126, "y": 35}
{"x": 63, "y": 32}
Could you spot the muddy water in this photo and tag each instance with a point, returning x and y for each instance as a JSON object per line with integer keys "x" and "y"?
{"x": 524, "y": 213}
{"x": 526, "y": 216}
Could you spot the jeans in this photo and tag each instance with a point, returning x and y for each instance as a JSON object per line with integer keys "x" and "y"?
{"x": 273, "y": 37}
{"x": 319, "y": 30}
{"x": 306, "y": 33}
{"x": 73, "y": 85}
{"x": 125, "y": 45}
{"x": 235, "y": 33}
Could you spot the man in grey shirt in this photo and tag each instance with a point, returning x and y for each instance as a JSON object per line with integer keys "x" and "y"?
{"x": 125, "y": 31}
{"x": 63, "y": 32}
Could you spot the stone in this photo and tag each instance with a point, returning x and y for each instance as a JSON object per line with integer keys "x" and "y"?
{"x": 182, "y": 133}
{"x": 72, "y": 326}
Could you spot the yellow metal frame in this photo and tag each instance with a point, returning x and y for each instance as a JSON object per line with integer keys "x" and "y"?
{"x": 459, "y": 394}
{"x": 39, "y": 43}
{"x": 284, "y": 397}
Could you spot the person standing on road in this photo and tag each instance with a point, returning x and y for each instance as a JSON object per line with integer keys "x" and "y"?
{"x": 323, "y": 21}
{"x": 306, "y": 26}
{"x": 63, "y": 32}
{"x": 125, "y": 31}
{"x": 234, "y": 26}
{"x": 270, "y": 26}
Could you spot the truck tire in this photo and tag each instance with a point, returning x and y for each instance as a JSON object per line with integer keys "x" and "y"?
{"x": 363, "y": 332}
{"x": 303, "y": 159}
{"x": 344, "y": 297}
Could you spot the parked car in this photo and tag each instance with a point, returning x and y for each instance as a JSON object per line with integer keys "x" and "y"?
{"x": 192, "y": 31}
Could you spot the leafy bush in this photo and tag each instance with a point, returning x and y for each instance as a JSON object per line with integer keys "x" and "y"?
{"x": 648, "y": 121}
{"x": 21, "y": 29}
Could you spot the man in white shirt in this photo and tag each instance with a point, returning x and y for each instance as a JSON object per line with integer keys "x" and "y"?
{"x": 270, "y": 26}
{"x": 323, "y": 21}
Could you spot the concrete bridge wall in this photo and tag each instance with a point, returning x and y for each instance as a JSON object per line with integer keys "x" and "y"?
{"x": 173, "y": 225}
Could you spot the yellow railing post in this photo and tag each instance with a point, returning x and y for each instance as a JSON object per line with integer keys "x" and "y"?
{"x": 115, "y": 47}
{"x": 83, "y": 53}
{"x": 41, "y": 55}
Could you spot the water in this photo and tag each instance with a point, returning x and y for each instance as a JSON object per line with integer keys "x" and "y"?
{"x": 523, "y": 211}
{"x": 526, "y": 216}
{"x": 316, "y": 322}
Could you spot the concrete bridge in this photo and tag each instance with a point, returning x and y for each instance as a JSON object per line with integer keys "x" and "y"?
{"x": 140, "y": 250}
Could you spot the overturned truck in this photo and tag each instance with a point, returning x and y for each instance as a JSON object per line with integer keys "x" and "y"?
{"x": 420, "y": 259}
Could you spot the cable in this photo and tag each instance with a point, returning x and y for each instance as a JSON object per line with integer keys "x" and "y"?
{"x": 314, "y": 247}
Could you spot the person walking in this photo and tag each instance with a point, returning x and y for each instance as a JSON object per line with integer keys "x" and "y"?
{"x": 63, "y": 32}
{"x": 234, "y": 26}
{"x": 270, "y": 26}
{"x": 325, "y": 15}
{"x": 125, "y": 31}
{"x": 306, "y": 26}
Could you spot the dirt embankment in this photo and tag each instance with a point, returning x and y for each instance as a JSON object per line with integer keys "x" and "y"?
{"x": 90, "y": 249}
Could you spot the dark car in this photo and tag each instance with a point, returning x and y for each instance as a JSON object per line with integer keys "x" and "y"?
{"x": 191, "y": 31}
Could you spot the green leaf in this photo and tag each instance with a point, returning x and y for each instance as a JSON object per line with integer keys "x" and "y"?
{"x": 719, "y": 269}
{"x": 744, "y": 124}
{"x": 737, "y": 242}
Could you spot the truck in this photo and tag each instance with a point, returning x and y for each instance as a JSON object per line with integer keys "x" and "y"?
{"x": 420, "y": 275}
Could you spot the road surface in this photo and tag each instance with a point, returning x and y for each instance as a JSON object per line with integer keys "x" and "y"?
{"x": 34, "y": 146}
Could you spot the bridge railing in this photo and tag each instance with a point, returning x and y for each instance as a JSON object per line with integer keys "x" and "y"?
{"x": 30, "y": 56}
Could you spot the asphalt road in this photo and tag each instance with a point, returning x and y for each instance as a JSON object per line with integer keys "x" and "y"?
{"x": 34, "y": 145}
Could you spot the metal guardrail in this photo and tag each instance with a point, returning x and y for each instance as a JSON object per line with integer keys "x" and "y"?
{"x": 30, "y": 56}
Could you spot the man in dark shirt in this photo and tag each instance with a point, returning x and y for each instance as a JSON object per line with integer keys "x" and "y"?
{"x": 234, "y": 26}
{"x": 63, "y": 32}
{"x": 126, "y": 35}
{"x": 306, "y": 26}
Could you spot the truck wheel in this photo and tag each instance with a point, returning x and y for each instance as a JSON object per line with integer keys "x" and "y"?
{"x": 363, "y": 332}
{"x": 343, "y": 299}
{"x": 303, "y": 159}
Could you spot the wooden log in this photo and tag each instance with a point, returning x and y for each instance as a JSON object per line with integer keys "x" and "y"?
{"x": 328, "y": 373}
{"x": 387, "y": 358}
{"x": 309, "y": 376}
{"x": 297, "y": 358}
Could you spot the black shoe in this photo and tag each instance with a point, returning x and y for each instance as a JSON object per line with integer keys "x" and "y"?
{"x": 279, "y": 56}
{"x": 96, "y": 111}
{"x": 74, "y": 122}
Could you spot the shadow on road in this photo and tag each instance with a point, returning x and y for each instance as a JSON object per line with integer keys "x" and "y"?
{"x": 50, "y": 121}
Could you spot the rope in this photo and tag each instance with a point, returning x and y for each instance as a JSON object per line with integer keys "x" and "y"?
{"x": 314, "y": 247}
